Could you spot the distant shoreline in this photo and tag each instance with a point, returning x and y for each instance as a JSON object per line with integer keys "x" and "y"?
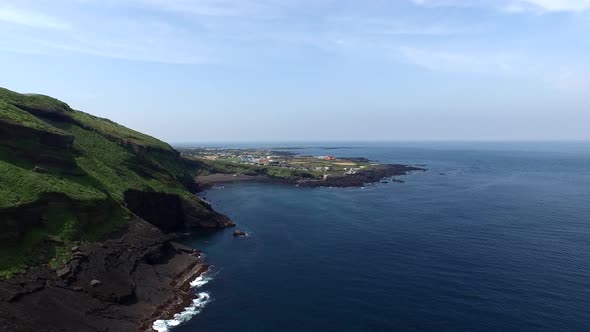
{"x": 216, "y": 178}
{"x": 359, "y": 179}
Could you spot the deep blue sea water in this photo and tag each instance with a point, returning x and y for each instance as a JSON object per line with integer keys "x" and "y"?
{"x": 494, "y": 236}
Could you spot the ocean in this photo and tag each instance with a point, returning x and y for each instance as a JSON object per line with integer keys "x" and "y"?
{"x": 493, "y": 236}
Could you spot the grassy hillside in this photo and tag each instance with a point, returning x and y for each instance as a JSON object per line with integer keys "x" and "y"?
{"x": 45, "y": 106}
{"x": 64, "y": 174}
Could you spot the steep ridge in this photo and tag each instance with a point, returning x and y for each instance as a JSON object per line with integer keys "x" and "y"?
{"x": 77, "y": 196}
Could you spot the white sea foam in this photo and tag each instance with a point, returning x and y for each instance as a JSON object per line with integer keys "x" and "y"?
{"x": 189, "y": 312}
{"x": 201, "y": 280}
{"x": 192, "y": 310}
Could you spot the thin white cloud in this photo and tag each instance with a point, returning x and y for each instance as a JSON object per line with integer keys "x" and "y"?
{"x": 214, "y": 31}
{"x": 144, "y": 39}
{"x": 513, "y": 5}
{"x": 448, "y": 61}
{"x": 132, "y": 54}
{"x": 216, "y": 8}
{"x": 455, "y": 3}
{"x": 388, "y": 27}
{"x": 573, "y": 79}
{"x": 31, "y": 19}
{"x": 557, "y": 5}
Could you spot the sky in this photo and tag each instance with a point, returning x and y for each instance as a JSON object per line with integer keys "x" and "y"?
{"x": 303, "y": 70}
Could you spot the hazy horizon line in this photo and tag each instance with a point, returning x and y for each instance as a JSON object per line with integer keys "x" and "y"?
{"x": 385, "y": 141}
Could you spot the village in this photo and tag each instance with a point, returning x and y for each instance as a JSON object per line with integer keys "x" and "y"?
{"x": 325, "y": 164}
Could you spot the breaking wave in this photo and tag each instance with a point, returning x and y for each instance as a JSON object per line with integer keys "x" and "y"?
{"x": 201, "y": 280}
{"x": 165, "y": 325}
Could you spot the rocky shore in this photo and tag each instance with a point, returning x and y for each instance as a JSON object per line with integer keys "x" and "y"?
{"x": 362, "y": 178}
{"x": 124, "y": 283}
{"x": 359, "y": 179}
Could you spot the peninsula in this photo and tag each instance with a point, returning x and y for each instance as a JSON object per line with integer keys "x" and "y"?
{"x": 219, "y": 165}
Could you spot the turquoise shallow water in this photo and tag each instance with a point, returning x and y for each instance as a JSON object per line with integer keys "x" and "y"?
{"x": 492, "y": 237}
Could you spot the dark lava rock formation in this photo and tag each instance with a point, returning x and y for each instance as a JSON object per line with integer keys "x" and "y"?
{"x": 359, "y": 179}
{"x": 122, "y": 284}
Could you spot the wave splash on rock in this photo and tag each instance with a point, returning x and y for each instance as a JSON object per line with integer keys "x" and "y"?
{"x": 203, "y": 298}
{"x": 201, "y": 280}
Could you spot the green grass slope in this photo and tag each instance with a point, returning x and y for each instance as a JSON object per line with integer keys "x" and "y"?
{"x": 48, "y": 107}
{"x": 64, "y": 174}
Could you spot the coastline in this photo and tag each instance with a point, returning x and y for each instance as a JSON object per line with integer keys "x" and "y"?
{"x": 169, "y": 310}
{"x": 206, "y": 181}
{"x": 359, "y": 179}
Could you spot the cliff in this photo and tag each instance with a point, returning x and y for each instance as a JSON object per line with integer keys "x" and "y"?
{"x": 72, "y": 180}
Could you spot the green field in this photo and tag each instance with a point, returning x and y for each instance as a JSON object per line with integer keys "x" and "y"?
{"x": 302, "y": 167}
{"x": 230, "y": 167}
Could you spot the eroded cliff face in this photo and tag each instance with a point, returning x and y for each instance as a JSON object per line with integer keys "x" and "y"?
{"x": 13, "y": 131}
{"x": 37, "y": 147}
{"x": 172, "y": 213}
{"x": 17, "y": 223}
